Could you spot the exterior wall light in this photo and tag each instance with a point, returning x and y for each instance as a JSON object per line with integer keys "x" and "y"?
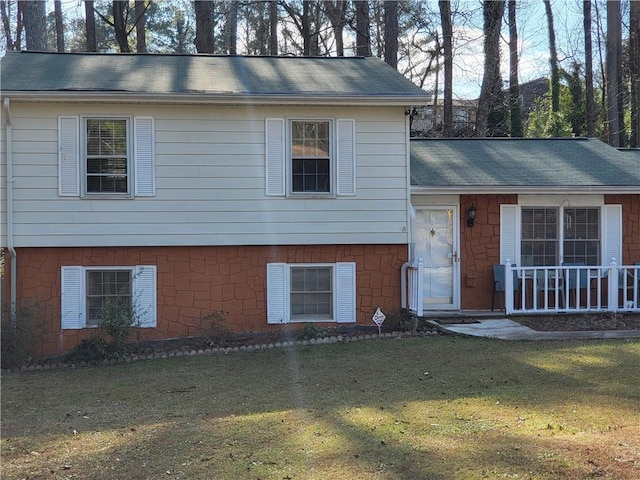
{"x": 471, "y": 216}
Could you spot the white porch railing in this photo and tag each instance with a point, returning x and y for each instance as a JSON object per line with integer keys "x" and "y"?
{"x": 575, "y": 288}
{"x": 412, "y": 285}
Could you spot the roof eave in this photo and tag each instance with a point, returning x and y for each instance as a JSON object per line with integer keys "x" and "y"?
{"x": 226, "y": 98}
{"x": 485, "y": 190}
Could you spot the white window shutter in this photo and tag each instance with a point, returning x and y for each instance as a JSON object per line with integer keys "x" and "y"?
{"x": 275, "y": 156}
{"x": 509, "y": 234}
{"x": 68, "y": 156}
{"x": 612, "y": 234}
{"x": 144, "y": 157}
{"x": 277, "y": 293}
{"x": 345, "y": 291}
{"x": 346, "y": 150}
{"x": 72, "y": 301}
{"x": 145, "y": 296}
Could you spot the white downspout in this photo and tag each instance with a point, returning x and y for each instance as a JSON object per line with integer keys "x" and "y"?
{"x": 9, "y": 207}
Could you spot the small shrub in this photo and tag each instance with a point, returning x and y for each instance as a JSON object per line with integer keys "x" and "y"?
{"x": 19, "y": 337}
{"x": 213, "y": 328}
{"x": 118, "y": 324}
{"x": 399, "y": 321}
{"x": 309, "y": 332}
{"x": 91, "y": 350}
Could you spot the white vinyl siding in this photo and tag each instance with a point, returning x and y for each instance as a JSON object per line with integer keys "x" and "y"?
{"x": 210, "y": 178}
{"x": 343, "y": 292}
{"x": 74, "y": 294}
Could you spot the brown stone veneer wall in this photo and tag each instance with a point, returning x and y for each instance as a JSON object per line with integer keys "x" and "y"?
{"x": 194, "y": 281}
{"x": 480, "y": 248}
{"x": 630, "y": 226}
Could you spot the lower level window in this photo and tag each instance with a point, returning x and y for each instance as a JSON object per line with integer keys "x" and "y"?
{"x": 324, "y": 292}
{"x": 108, "y": 295}
{"x": 94, "y": 294}
{"x": 311, "y": 293}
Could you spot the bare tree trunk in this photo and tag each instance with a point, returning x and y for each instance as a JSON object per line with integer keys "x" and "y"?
{"x": 119, "y": 8}
{"x": 273, "y": 28}
{"x": 490, "y": 115}
{"x": 515, "y": 106}
{"x": 634, "y": 58}
{"x": 391, "y": 33}
{"x": 141, "y": 26}
{"x": 204, "y": 26}
{"x": 5, "y": 13}
{"x": 232, "y": 28}
{"x": 553, "y": 60}
{"x": 336, "y": 12}
{"x": 90, "y": 26}
{"x": 614, "y": 33}
{"x": 363, "y": 28}
{"x": 306, "y": 30}
{"x": 34, "y": 15}
{"x": 57, "y": 5}
{"x": 590, "y": 119}
{"x": 447, "y": 42}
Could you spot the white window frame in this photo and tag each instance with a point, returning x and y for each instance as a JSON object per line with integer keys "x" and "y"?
{"x": 332, "y": 158}
{"x": 74, "y": 308}
{"x": 278, "y": 158}
{"x": 610, "y": 220}
{"x": 84, "y": 155}
{"x": 279, "y": 292}
{"x": 72, "y": 147}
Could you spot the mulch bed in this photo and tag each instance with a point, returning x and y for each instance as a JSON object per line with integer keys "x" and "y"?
{"x": 579, "y": 323}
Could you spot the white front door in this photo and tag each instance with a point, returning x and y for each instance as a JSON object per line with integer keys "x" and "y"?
{"x": 437, "y": 245}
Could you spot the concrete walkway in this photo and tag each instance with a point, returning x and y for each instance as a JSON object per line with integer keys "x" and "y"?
{"x": 505, "y": 329}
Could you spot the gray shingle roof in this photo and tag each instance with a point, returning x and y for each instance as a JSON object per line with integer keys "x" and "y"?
{"x": 352, "y": 77}
{"x": 510, "y": 164}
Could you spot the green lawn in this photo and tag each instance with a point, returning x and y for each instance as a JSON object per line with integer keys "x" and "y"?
{"x": 417, "y": 408}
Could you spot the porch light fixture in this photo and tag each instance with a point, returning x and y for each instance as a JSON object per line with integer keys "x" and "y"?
{"x": 471, "y": 216}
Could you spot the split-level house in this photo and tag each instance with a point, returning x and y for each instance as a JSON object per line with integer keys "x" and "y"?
{"x": 282, "y": 190}
{"x": 273, "y": 189}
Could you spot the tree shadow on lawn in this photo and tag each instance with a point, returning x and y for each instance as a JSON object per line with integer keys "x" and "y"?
{"x": 333, "y": 412}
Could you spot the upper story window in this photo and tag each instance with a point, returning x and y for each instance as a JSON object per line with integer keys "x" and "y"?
{"x": 310, "y": 157}
{"x": 107, "y": 155}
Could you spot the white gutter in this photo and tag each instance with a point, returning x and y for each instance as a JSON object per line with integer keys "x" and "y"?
{"x": 230, "y": 98}
{"x": 9, "y": 207}
{"x": 540, "y": 190}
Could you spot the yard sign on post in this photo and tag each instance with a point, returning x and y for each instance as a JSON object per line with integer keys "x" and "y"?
{"x": 378, "y": 319}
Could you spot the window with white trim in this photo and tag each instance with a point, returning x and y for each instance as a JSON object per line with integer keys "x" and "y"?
{"x": 310, "y": 157}
{"x": 91, "y": 293}
{"x": 552, "y": 235}
{"x": 109, "y": 293}
{"x": 311, "y": 292}
{"x": 107, "y": 158}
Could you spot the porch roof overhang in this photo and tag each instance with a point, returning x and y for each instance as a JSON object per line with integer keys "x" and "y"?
{"x": 533, "y": 190}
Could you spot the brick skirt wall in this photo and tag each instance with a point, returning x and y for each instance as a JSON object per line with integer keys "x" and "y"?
{"x": 194, "y": 281}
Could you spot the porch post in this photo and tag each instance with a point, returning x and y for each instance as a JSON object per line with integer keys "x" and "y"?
{"x": 508, "y": 287}
{"x": 612, "y": 304}
{"x": 420, "y": 293}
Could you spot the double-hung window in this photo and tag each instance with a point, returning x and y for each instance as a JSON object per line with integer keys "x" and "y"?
{"x": 107, "y": 155}
{"x": 310, "y": 157}
{"x": 93, "y": 294}
{"x": 545, "y": 236}
{"x": 311, "y": 292}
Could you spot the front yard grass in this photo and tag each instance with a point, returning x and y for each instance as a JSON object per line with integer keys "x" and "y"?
{"x": 416, "y": 408}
